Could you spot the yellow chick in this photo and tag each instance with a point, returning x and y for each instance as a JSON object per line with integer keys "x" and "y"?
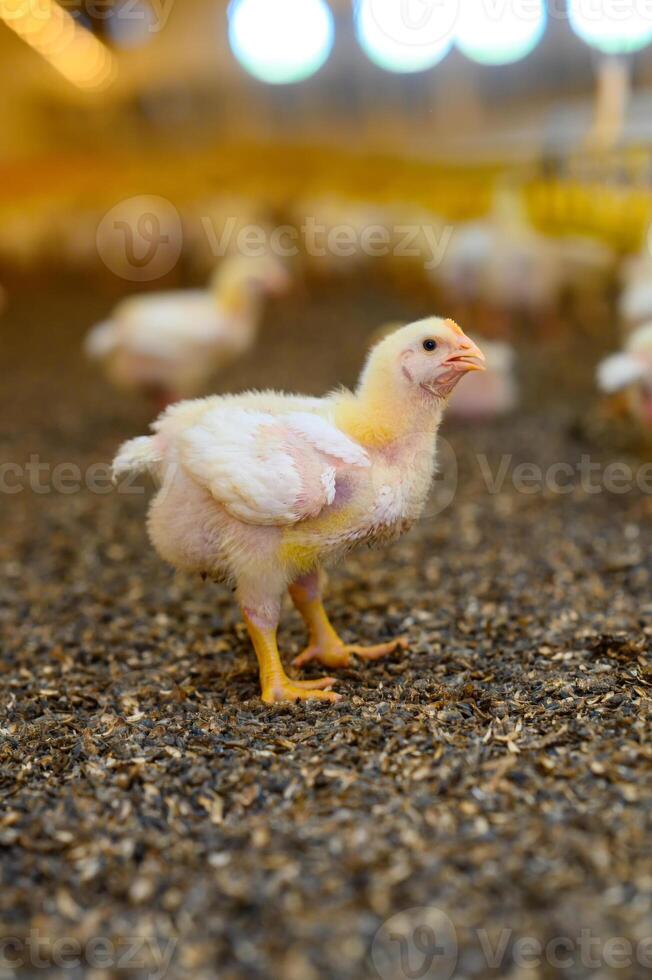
{"x": 485, "y": 394}
{"x": 169, "y": 344}
{"x": 263, "y": 489}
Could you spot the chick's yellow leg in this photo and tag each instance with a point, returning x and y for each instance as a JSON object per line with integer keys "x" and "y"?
{"x": 324, "y": 645}
{"x": 275, "y": 684}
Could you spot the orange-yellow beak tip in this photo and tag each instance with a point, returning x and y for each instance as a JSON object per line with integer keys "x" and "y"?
{"x": 469, "y": 357}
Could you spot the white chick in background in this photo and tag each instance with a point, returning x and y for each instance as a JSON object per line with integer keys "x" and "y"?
{"x": 462, "y": 267}
{"x": 630, "y": 372}
{"x": 635, "y": 302}
{"x": 169, "y": 344}
{"x": 501, "y": 260}
{"x": 491, "y": 393}
{"x": 418, "y": 239}
{"x": 583, "y": 262}
{"x": 334, "y": 234}
{"x": 221, "y": 226}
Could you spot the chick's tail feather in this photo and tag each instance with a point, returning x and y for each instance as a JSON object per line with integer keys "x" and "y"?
{"x": 137, "y": 456}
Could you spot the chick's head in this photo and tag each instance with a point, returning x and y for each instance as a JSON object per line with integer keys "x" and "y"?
{"x": 425, "y": 359}
{"x": 253, "y": 275}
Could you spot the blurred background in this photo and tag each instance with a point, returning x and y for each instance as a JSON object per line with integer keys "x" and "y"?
{"x": 509, "y": 143}
{"x": 413, "y": 103}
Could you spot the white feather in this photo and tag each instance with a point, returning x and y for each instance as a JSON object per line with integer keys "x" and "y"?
{"x": 264, "y": 468}
{"x": 136, "y": 456}
{"x": 328, "y": 478}
{"x": 247, "y": 472}
{"x": 325, "y": 437}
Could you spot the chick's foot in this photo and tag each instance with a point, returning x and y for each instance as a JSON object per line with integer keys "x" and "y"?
{"x": 286, "y": 689}
{"x": 335, "y": 654}
{"x": 275, "y": 684}
{"x": 325, "y": 645}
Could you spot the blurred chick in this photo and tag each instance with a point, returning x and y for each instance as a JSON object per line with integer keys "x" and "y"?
{"x": 492, "y": 393}
{"x": 169, "y": 344}
{"x": 333, "y": 231}
{"x": 635, "y": 302}
{"x": 264, "y": 489}
{"x": 219, "y": 226}
{"x": 630, "y": 372}
{"x": 501, "y": 261}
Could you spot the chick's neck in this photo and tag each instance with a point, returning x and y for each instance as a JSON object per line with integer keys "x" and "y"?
{"x": 380, "y": 413}
{"x": 235, "y": 299}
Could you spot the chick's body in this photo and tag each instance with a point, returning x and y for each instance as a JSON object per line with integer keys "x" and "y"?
{"x": 305, "y": 490}
{"x": 172, "y": 342}
{"x": 264, "y": 489}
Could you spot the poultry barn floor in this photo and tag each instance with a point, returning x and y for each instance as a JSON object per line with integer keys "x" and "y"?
{"x": 493, "y": 784}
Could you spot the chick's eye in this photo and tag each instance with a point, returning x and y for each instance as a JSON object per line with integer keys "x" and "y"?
{"x": 430, "y": 345}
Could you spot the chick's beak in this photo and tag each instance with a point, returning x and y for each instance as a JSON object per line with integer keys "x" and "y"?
{"x": 467, "y": 356}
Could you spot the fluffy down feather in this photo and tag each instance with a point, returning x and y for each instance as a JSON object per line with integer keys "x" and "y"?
{"x": 137, "y": 456}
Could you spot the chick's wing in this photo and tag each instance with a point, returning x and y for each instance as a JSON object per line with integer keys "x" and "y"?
{"x": 268, "y": 469}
